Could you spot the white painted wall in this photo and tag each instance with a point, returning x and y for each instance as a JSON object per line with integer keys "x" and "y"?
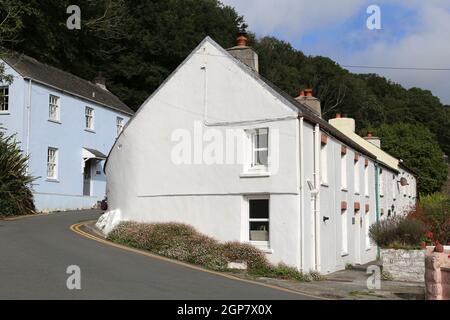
{"x": 211, "y": 89}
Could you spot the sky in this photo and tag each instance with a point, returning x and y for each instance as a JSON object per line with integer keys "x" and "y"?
{"x": 413, "y": 34}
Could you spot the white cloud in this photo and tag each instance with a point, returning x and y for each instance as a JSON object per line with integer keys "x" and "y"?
{"x": 426, "y": 46}
{"x": 423, "y": 41}
{"x": 294, "y": 17}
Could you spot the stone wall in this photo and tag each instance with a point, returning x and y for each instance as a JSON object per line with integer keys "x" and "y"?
{"x": 437, "y": 275}
{"x": 404, "y": 265}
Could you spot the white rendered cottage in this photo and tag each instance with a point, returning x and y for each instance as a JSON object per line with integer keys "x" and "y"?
{"x": 222, "y": 149}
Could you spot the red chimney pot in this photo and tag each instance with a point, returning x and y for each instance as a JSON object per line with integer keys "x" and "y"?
{"x": 338, "y": 116}
{"x": 309, "y": 92}
{"x": 242, "y": 41}
{"x": 369, "y": 135}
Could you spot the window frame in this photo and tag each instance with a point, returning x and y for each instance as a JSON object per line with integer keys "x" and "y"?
{"x": 344, "y": 180}
{"x": 89, "y": 125}
{"x": 357, "y": 176}
{"x": 4, "y": 99}
{"x": 262, "y": 244}
{"x": 252, "y": 165}
{"x": 119, "y": 125}
{"x": 344, "y": 233}
{"x": 366, "y": 180}
{"x": 324, "y": 163}
{"x": 57, "y": 108}
{"x": 55, "y": 163}
{"x": 368, "y": 243}
{"x": 380, "y": 182}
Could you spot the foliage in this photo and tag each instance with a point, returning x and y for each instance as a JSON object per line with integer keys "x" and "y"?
{"x": 182, "y": 242}
{"x": 417, "y": 147}
{"x": 434, "y": 211}
{"x": 15, "y": 195}
{"x": 137, "y": 44}
{"x": 397, "y": 233}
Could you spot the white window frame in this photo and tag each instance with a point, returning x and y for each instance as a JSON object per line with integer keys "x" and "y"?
{"x": 4, "y": 97}
{"x": 119, "y": 125}
{"x": 252, "y": 166}
{"x": 381, "y": 182}
{"x": 366, "y": 181}
{"x": 344, "y": 182}
{"x": 367, "y": 229}
{"x": 324, "y": 164}
{"x": 394, "y": 187}
{"x": 260, "y": 244}
{"x": 89, "y": 116}
{"x": 54, "y": 108}
{"x": 357, "y": 176}
{"x": 344, "y": 232}
{"x": 52, "y": 163}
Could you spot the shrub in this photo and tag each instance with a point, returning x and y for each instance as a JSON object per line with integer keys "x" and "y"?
{"x": 398, "y": 233}
{"x": 434, "y": 211}
{"x": 182, "y": 242}
{"x": 15, "y": 195}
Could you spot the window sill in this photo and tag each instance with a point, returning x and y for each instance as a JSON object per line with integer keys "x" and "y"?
{"x": 263, "y": 246}
{"x": 357, "y": 194}
{"x": 255, "y": 175}
{"x": 89, "y": 130}
{"x": 52, "y": 180}
{"x": 325, "y": 184}
{"x": 4, "y": 113}
{"x": 344, "y": 189}
{"x": 344, "y": 254}
{"x": 54, "y": 121}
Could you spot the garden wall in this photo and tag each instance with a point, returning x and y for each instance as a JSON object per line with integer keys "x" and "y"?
{"x": 404, "y": 265}
{"x": 437, "y": 275}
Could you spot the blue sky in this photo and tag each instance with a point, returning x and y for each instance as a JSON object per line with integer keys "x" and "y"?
{"x": 414, "y": 34}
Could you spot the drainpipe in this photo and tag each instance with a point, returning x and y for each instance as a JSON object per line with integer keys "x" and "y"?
{"x": 316, "y": 197}
{"x": 377, "y": 201}
{"x": 28, "y": 123}
{"x": 302, "y": 197}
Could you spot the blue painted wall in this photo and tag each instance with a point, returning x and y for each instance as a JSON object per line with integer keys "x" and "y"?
{"x": 69, "y": 137}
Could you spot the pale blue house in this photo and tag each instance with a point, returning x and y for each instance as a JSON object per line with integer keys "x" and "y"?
{"x": 67, "y": 126}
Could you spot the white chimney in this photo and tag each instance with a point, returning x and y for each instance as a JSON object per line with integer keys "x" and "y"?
{"x": 312, "y": 103}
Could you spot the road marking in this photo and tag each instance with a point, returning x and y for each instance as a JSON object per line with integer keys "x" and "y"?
{"x": 76, "y": 228}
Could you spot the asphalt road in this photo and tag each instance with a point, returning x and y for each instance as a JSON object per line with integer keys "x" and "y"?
{"x": 36, "y": 252}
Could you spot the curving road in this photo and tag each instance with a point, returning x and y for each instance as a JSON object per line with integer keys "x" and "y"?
{"x": 35, "y": 253}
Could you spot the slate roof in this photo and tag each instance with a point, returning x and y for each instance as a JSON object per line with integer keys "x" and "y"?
{"x": 30, "y": 68}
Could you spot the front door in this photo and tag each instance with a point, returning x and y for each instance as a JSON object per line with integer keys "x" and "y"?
{"x": 87, "y": 178}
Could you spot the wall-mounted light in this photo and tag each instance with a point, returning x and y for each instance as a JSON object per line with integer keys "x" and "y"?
{"x": 403, "y": 182}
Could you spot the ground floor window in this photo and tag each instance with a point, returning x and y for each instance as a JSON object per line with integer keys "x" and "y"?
{"x": 259, "y": 220}
{"x": 344, "y": 233}
{"x": 52, "y": 163}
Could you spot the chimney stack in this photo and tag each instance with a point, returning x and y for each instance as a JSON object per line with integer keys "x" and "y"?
{"x": 312, "y": 103}
{"x": 244, "y": 53}
{"x": 373, "y": 140}
{"x": 343, "y": 123}
{"x": 100, "y": 81}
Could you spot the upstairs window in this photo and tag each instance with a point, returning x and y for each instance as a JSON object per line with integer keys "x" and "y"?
{"x": 89, "y": 115}
{"x": 344, "y": 184}
{"x": 381, "y": 183}
{"x": 4, "y": 99}
{"x": 119, "y": 125}
{"x": 52, "y": 164}
{"x": 357, "y": 174}
{"x": 53, "y": 110}
{"x": 259, "y": 149}
{"x": 324, "y": 160}
{"x": 366, "y": 179}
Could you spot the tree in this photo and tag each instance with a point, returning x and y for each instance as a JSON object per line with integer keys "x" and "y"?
{"x": 15, "y": 194}
{"x": 417, "y": 147}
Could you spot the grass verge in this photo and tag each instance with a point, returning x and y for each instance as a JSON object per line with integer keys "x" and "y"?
{"x": 183, "y": 243}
